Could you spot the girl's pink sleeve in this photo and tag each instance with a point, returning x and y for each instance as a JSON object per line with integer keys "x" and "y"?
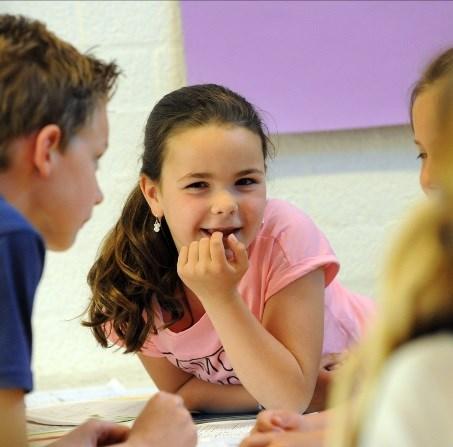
{"x": 298, "y": 249}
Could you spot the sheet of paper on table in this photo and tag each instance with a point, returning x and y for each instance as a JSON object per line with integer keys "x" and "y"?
{"x": 210, "y": 434}
{"x": 223, "y": 433}
{"x": 72, "y": 414}
{"x": 49, "y": 422}
{"x": 113, "y": 388}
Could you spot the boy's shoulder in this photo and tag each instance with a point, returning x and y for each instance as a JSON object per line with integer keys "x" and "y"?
{"x": 11, "y": 220}
{"x": 20, "y": 245}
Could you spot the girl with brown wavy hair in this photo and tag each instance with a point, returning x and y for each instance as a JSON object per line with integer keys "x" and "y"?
{"x": 229, "y": 298}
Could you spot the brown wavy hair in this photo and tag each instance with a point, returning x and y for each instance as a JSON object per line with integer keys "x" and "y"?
{"x": 135, "y": 272}
{"x": 45, "y": 80}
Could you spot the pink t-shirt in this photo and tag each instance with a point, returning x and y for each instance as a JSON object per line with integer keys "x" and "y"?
{"x": 287, "y": 247}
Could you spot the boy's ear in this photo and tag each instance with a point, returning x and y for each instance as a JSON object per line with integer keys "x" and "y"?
{"x": 47, "y": 145}
{"x": 150, "y": 190}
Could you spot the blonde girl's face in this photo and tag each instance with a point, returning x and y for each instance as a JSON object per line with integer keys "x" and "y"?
{"x": 213, "y": 179}
{"x": 426, "y": 134}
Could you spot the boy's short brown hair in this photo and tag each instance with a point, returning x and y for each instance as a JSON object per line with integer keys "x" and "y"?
{"x": 45, "y": 80}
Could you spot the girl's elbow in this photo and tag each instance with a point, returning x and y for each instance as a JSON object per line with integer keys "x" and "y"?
{"x": 296, "y": 402}
{"x": 190, "y": 398}
{"x": 300, "y": 404}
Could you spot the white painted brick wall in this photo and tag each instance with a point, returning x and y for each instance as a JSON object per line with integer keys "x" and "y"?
{"x": 354, "y": 184}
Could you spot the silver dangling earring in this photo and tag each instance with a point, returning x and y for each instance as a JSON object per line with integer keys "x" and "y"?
{"x": 157, "y": 225}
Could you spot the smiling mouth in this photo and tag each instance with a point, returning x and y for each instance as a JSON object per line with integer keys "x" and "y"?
{"x": 225, "y": 231}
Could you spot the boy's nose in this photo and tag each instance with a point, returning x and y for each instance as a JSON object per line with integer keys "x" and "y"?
{"x": 99, "y": 195}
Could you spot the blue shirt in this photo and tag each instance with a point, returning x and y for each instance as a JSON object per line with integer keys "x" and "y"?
{"x": 21, "y": 263}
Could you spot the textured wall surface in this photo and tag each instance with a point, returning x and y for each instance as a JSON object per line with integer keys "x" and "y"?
{"x": 355, "y": 184}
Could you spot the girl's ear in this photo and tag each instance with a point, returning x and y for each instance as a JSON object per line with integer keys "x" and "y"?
{"x": 151, "y": 192}
{"x": 46, "y": 147}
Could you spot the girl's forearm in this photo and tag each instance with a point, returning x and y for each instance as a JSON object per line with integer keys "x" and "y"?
{"x": 266, "y": 368}
{"x": 212, "y": 397}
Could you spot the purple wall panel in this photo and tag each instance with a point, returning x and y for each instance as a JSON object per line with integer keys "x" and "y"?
{"x": 316, "y": 65}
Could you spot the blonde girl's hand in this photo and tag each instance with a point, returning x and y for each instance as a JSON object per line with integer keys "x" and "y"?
{"x": 284, "y": 439}
{"x": 277, "y": 421}
{"x": 285, "y": 420}
{"x": 210, "y": 271}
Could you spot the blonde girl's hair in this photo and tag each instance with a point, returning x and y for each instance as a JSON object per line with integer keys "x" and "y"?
{"x": 417, "y": 300}
{"x": 441, "y": 67}
{"x": 135, "y": 274}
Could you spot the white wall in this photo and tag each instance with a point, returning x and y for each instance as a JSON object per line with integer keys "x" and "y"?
{"x": 354, "y": 184}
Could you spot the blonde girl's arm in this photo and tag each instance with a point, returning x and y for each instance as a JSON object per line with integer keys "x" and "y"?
{"x": 277, "y": 360}
{"x": 197, "y": 394}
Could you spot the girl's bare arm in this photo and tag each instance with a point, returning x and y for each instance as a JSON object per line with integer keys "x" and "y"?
{"x": 198, "y": 394}
{"x": 277, "y": 360}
